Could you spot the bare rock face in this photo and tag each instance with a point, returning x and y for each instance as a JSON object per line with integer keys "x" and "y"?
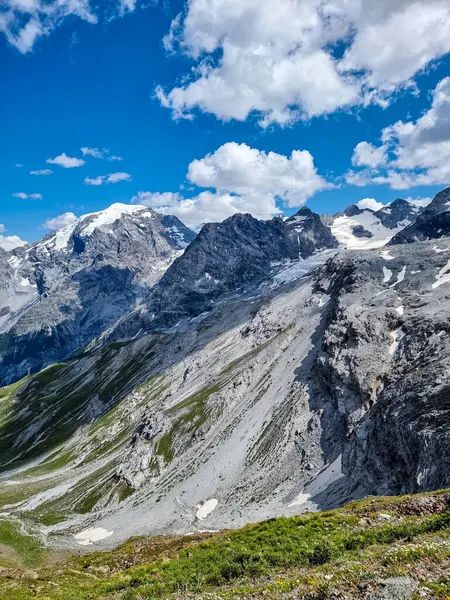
{"x": 58, "y": 294}
{"x": 432, "y": 223}
{"x": 224, "y": 258}
{"x": 384, "y": 360}
{"x": 397, "y": 212}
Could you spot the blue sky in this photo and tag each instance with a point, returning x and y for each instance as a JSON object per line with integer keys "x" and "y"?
{"x": 92, "y": 85}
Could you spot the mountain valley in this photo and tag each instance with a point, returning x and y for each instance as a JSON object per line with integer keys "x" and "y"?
{"x": 257, "y": 369}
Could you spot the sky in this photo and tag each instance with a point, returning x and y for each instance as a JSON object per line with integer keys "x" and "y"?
{"x": 204, "y": 108}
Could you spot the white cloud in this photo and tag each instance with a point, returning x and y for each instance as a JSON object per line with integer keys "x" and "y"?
{"x": 242, "y": 170}
{"x": 208, "y": 206}
{"x": 2, "y": 228}
{"x": 18, "y": 165}
{"x": 111, "y": 178}
{"x": 24, "y": 196}
{"x": 96, "y": 153}
{"x": 421, "y": 202}
{"x": 25, "y": 21}
{"x": 276, "y": 56}
{"x": 418, "y": 152}
{"x": 116, "y": 177}
{"x": 10, "y": 242}
{"x": 42, "y": 172}
{"x": 370, "y": 203}
{"x": 244, "y": 180}
{"x": 366, "y": 154}
{"x": 60, "y": 221}
{"x": 66, "y": 161}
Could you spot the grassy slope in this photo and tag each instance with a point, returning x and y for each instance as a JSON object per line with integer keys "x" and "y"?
{"x": 314, "y": 555}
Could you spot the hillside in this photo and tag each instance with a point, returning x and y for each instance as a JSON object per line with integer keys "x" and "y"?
{"x": 376, "y": 548}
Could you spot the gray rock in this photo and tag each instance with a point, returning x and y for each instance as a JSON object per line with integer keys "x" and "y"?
{"x": 59, "y": 293}
{"x": 432, "y": 223}
{"x": 396, "y": 588}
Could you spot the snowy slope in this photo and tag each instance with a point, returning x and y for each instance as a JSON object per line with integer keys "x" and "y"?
{"x": 343, "y": 229}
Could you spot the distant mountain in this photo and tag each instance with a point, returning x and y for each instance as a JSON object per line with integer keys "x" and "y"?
{"x": 432, "y": 223}
{"x": 59, "y": 293}
{"x": 365, "y": 229}
{"x": 222, "y": 259}
{"x": 398, "y": 213}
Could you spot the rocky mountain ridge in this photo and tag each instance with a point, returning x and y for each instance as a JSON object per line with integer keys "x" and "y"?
{"x": 60, "y": 292}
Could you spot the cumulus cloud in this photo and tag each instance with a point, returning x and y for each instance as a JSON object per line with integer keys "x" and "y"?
{"x": 241, "y": 180}
{"x": 366, "y": 154}
{"x": 18, "y": 165}
{"x": 415, "y": 152}
{"x": 24, "y": 196}
{"x": 60, "y": 221}
{"x": 2, "y": 228}
{"x": 10, "y": 242}
{"x": 96, "y": 153}
{"x": 370, "y": 203}
{"x": 243, "y": 170}
{"x": 42, "y": 172}
{"x": 277, "y": 57}
{"x": 207, "y": 206}
{"x": 111, "y": 178}
{"x": 66, "y": 161}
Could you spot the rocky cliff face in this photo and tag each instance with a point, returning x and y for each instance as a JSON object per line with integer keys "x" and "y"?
{"x": 432, "y": 223}
{"x": 223, "y": 259}
{"x": 58, "y": 294}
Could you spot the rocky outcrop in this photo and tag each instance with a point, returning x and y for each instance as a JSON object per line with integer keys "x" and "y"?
{"x": 397, "y": 213}
{"x": 432, "y": 223}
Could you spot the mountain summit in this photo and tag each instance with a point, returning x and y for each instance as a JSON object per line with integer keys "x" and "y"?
{"x": 62, "y": 291}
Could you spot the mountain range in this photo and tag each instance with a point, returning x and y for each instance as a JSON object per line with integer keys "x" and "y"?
{"x": 157, "y": 380}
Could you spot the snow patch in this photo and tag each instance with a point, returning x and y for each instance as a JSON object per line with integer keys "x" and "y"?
{"x": 205, "y": 509}
{"x": 396, "y": 337}
{"x": 387, "y": 275}
{"x": 443, "y": 276}
{"x": 342, "y": 229}
{"x": 300, "y": 500}
{"x": 400, "y": 310}
{"x": 89, "y": 536}
{"x": 400, "y": 277}
{"x": 385, "y": 254}
{"x": 440, "y": 250}
{"x": 110, "y": 215}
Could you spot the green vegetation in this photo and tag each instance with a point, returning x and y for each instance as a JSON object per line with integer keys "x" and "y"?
{"x": 312, "y": 555}
{"x": 26, "y": 549}
{"x": 194, "y": 412}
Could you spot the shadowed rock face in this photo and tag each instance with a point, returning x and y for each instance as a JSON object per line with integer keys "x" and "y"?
{"x": 432, "y": 223}
{"x": 61, "y": 292}
{"x": 360, "y": 232}
{"x": 398, "y": 212}
{"x": 222, "y": 259}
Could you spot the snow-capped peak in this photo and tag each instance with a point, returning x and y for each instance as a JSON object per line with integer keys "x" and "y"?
{"x": 88, "y": 223}
{"x": 110, "y": 215}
